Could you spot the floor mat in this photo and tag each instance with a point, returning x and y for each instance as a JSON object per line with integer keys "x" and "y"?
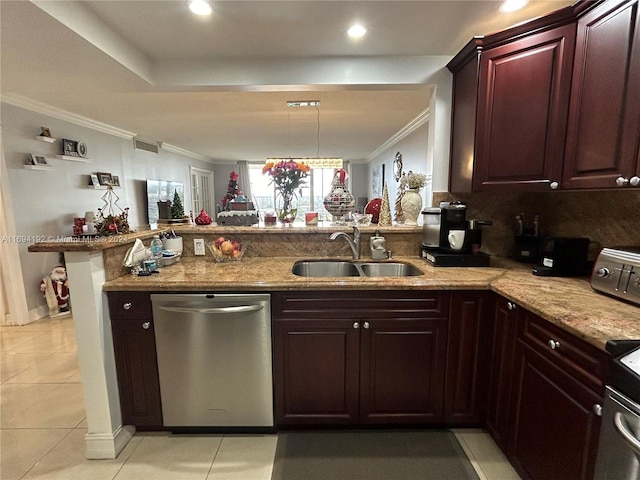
{"x": 371, "y": 455}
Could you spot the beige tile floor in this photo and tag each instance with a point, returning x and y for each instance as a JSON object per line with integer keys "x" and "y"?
{"x": 42, "y": 426}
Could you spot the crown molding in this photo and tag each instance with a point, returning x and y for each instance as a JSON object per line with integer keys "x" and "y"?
{"x": 413, "y": 125}
{"x": 185, "y": 153}
{"x": 82, "y": 121}
{"x": 60, "y": 114}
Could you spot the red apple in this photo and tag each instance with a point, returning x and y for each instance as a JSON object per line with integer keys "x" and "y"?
{"x": 219, "y": 241}
{"x": 237, "y": 245}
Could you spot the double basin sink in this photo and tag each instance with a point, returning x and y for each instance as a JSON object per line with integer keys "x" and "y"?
{"x": 355, "y": 268}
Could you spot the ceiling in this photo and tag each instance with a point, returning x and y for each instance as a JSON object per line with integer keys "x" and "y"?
{"x": 218, "y": 87}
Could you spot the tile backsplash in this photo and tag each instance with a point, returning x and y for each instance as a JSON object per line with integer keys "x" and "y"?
{"x": 608, "y": 217}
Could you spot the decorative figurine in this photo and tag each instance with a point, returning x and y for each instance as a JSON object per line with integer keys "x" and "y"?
{"x": 55, "y": 288}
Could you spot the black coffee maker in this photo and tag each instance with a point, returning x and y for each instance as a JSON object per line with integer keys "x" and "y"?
{"x": 453, "y": 217}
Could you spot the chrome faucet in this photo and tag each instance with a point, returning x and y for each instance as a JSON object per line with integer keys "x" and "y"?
{"x": 354, "y": 244}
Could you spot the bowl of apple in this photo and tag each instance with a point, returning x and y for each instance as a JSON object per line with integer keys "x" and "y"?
{"x": 227, "y": 250}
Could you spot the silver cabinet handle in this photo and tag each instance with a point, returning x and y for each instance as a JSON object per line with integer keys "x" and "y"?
{"x": 554, "y": 185}
{"x": 621, "y": 181}
{"x": 146, "y": 325}
{"x": 553, "y": 344}
{"x": 597, "y": 409}
{"x": 127, "y": 306}
{"x": 366, "y": 325}
{"x": 238, "y": 309}
{"x": 635, "y": 181}
{"x": 356, "y": 325}
{"x": 623, "y": 429}
{"x": 511, "y": 306}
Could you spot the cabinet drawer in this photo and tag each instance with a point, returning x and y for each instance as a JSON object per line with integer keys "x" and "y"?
{"x": 129, "y": 305}
{"x": 359, "y": 304}
{"x": 577, "y": 357}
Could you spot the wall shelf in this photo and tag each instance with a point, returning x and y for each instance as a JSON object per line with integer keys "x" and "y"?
{"x": 42, "y": 138}
{"x": 73, "y": 159}
{"x": 38, "y": 167}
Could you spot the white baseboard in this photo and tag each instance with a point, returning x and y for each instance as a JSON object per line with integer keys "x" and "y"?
{"x": 102, "y": 446}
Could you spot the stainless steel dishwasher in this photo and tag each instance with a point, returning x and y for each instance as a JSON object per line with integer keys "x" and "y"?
{"x": 214, "y": 359}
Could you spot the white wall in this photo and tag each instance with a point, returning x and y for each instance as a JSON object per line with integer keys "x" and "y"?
{"x": 45, "y": 202}
{"x": 414, "y": 149}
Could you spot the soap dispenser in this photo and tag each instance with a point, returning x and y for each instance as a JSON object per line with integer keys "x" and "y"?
{"x": 378, "y": 246}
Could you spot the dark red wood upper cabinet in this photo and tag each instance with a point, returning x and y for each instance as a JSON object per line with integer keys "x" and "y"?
{"x": 603, "y": 133}
{"x": 510, "y": 105}
{"x": 523, "y": 97}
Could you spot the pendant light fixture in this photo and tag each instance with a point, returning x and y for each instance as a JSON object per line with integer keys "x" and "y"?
{"x": 313, "y": 162}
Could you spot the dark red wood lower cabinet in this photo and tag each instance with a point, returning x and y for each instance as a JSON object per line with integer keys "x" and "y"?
{"x": 500, "y": 369}
{"x": 402, "y": 367}
{"x": 555, "y": 430}
{"x": 137, "y": 370}
{"x": 316, "y": 366}
{"x": 468, "y": 355}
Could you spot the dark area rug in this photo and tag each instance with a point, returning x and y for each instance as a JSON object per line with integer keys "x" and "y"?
{"x": 371, "y": 455}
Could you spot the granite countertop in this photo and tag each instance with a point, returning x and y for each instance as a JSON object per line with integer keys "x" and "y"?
{"x": 568, "y": 302}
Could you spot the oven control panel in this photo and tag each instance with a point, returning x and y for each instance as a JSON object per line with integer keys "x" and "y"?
{"x": 617, "y": 272}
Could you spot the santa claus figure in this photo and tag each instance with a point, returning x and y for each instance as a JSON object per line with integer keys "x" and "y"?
{"x": 55, "y": 288}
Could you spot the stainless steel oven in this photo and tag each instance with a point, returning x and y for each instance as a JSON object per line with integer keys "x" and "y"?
{"x": 619, "y": 446}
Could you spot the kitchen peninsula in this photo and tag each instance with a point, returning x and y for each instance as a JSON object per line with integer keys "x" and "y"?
{"x": 95, "y": 268}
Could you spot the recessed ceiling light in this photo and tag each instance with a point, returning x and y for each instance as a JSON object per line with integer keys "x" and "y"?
{"x": 512, "y": 5}
{"x": 200, "y": 7}
{"x": 357, "y": 30}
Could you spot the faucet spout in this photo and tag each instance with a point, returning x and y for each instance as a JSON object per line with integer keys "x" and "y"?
{"x": 354, "y": 244}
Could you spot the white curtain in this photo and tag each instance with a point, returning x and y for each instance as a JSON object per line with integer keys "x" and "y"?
{"x": 13, "y": 300}
{"x": 244, "y": 181}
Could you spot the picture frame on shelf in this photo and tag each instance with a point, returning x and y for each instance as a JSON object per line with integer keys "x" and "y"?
{"x": 38, "y": 160}
{"x": 45, "y": 132}
{"x": 377, "y": 180}
{"x": 104, "y": 178}
{"x": 95, "y": 181}
{"x": 69, "y": 148}
{"x": 81, "y": 148}
{"x": 115, "y": 180}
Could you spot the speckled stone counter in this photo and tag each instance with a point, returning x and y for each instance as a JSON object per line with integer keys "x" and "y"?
{"x": 568, "y": 302}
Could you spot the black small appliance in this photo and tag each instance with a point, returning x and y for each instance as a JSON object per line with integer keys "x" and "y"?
{"x": 563, "y": 257}
{"x": 435, "y": 247}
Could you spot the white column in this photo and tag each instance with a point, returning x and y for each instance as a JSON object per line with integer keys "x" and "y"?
{"x": 106, "y": 436}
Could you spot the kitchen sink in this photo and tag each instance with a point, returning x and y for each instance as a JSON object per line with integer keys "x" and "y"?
{"x": 342, "y": 268}
{"x": 325, "y": 268}
{"x": 389, "y": 269}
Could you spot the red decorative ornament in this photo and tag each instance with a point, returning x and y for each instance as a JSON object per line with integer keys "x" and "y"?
{"x": 373, "y": 207}
{"x": 203, "y": 218}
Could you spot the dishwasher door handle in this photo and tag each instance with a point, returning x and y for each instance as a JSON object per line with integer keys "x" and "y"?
{"x": 623, "y": 429}
{"x": 223, "y": 310}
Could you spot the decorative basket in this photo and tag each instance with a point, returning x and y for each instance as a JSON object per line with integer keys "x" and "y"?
{"x": 227, "y": 258}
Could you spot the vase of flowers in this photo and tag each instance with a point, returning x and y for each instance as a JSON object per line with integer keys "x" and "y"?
{"x": 287, "y": 177}
{"x": 411, "y": 201}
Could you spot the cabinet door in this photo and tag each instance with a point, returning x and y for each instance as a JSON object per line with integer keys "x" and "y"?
{"x": 137, "y": 370}
{"x": 503, "y": 341}
{"x": 604, "y": 115}
{"x": 316, "y": 371}
{"x": 468, "y": 353}
{"x": 523, "y": 97}
{"x": 402, "y": 370}
{"x": 555, "y": 430}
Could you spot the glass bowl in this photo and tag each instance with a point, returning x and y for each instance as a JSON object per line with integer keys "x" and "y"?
{"x": 220, "y": 257}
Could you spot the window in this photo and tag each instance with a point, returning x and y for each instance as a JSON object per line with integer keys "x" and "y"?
{"x": 317, "y": 187}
